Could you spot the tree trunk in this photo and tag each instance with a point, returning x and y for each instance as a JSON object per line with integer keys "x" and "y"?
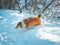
{"x": 10, "y": 4}
{"x": 18, "y": 6}
{"x": 0, "y": 4}
{"x": 35, "y": 2}
{"x": 26, "y": 4}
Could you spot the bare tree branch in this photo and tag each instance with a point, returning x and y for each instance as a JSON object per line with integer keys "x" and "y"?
{"x": 28, "y": 4}
{"x": 48, "y": 5}
{"x": 18, "y": 6}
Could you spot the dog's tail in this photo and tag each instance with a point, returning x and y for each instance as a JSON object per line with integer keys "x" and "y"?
{"x": 39, "y": 15}
{"x": 19, "y": 25}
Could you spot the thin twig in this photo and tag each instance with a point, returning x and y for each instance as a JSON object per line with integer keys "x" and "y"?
{"x": 48, "y": 6}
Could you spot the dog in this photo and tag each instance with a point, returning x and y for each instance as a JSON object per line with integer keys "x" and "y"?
{"x": 28, "y": 22}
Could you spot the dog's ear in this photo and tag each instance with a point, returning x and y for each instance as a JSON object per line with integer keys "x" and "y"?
{"x": 39, "y": 15}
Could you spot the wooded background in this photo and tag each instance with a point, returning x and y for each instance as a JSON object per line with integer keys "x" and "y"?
{"x": 23, "y": 4}
{"x": 49, "y": 9}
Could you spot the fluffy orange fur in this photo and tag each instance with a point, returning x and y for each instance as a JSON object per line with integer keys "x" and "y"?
{"x": 33, "y": 21}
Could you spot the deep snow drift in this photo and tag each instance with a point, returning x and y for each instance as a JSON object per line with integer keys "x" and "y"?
{"x": 47, "y": 34}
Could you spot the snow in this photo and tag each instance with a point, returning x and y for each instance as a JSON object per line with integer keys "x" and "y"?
{"x": 1, "y": 17}
{"x": 18, "y": 15}
{"x": 47, "y": 34}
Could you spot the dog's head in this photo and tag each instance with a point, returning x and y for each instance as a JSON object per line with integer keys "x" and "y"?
{"x": 19, "y": 25}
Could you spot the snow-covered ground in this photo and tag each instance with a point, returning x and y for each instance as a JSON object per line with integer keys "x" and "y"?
{"x": 47, "y": 34}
